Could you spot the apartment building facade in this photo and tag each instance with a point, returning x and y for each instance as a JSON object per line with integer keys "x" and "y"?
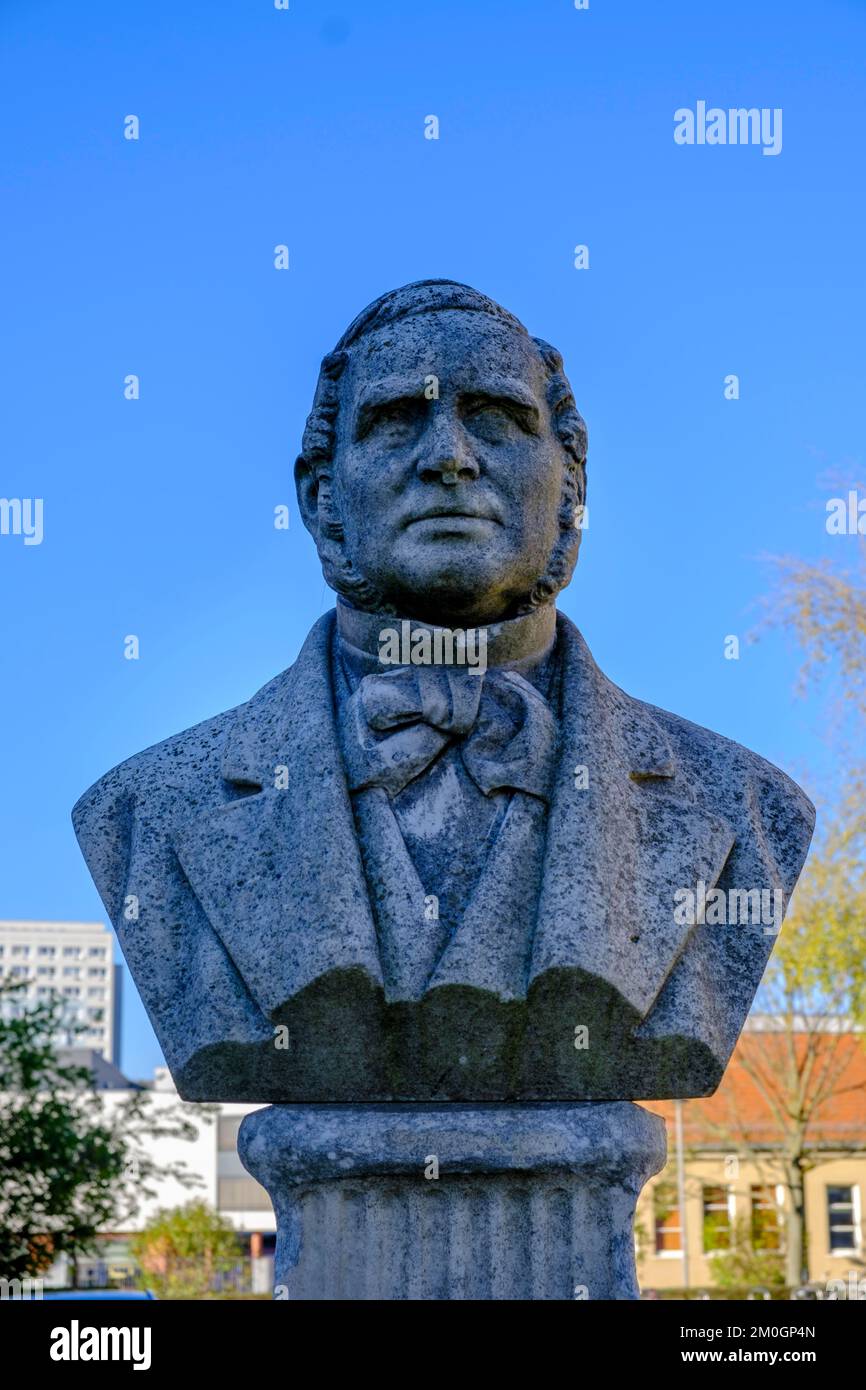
{"x": 75, "y": 961}
{"x": 735, "y": 1192}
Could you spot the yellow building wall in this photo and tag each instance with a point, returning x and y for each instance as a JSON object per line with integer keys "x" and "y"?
{"x": 665, "y": 1271}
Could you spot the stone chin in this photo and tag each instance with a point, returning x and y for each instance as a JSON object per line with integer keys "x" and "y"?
{"x": 448, "y": 579}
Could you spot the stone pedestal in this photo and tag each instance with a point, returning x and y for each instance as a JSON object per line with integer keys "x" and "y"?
{"x": 454, "y": 1201}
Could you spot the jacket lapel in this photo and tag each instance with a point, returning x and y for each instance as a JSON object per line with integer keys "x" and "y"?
{"x": 620, "y": 846}
{"x": 490, "y": 948}
{"x": 278, "y": 870}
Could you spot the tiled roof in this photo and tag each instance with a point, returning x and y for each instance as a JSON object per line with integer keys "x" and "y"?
{"x": 740, "y": 1108}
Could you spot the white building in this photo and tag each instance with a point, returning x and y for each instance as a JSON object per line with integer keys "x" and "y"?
{"x": 74, "y": 960}
{"x": 222, "y": 1182}
{"x": 213, "y": 1156}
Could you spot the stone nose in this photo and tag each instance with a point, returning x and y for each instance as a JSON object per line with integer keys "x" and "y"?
{"x": 445, "y": 455}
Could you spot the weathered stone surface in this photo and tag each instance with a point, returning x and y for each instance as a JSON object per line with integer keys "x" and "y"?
{"x": 458, "y": 1202}
{"x": 273, "y": 882}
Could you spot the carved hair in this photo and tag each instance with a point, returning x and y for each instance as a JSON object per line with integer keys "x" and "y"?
{"x": 317, "y": 448}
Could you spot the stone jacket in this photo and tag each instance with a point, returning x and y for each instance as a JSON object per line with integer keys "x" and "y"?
{"x": 228, "y": 860}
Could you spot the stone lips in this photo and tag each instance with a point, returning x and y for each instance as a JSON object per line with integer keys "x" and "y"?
{"x": 242, "y": 909}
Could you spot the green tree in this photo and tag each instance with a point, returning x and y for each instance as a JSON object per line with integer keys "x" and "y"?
{"x": 817, "y": 976}
{"x": 748, "y": 1264}
{"x": 71, "y": 1166}
{"x": 821, "y": 604}
{"x": 182, "y": 1250}
{"x": 813, "y": 1002}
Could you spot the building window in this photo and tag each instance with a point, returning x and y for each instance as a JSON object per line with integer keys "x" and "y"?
{"x": 95, "y": 973}
{"x": 766, "y": 1219}
{"x": 46, "y": 951}
{"x": 843, "y": 1219}
{"x": 666, "y": 1213}
{"x": 71, "y": 970}
{"x": 241, "y": 1194}
{"x": 98, "y": 951}
{"x": 71, "y": 952}
{"x": 21, "y": 950}
{"x": 718, "y": 1218}
{"x": 227, "y": 1133}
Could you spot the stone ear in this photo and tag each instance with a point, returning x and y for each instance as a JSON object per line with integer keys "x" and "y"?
{"x": 311, "y": 482}
{"x": 307, "y": 489}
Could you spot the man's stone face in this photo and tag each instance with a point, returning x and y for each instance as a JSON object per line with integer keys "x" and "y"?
{"x": 449, "y": 505}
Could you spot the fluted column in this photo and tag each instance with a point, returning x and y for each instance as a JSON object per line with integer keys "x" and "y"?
{"x": 454, "y": 1202}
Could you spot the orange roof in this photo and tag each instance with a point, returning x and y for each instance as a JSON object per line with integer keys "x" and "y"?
{"x": 759, "y": 1108}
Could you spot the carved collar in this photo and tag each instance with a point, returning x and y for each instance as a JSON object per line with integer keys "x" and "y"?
{"x": 514, "y": 645}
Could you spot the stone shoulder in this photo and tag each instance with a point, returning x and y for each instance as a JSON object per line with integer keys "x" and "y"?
{"x": 741, "y": 784}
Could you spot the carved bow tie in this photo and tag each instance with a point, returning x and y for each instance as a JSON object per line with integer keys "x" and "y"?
{"x": 396, "y": 724}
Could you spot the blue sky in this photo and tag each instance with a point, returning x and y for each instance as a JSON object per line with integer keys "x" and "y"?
{"x": 306, "y": 127}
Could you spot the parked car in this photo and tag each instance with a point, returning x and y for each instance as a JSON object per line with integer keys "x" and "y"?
{"x": 99, "y": 1293}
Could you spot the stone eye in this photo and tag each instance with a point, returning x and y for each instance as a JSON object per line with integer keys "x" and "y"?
{"x": 490, "y": 417}
{"x": 396, "y": 417}
{"x": 397, "y": 413}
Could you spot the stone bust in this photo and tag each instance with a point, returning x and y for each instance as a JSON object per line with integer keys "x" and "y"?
{"x": 443, "y": 857}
